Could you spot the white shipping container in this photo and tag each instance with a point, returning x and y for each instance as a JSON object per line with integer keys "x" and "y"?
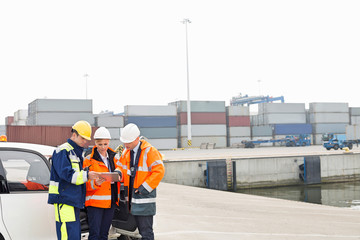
{"x": 110, "y": 121}
{"x": 321, "y": 117}
{"x": 237, "y": 111}
{"x": 237, "y": 140}
{"x": 114, "y": 132}
{"x": 355, "y": 120}
{"x": 200, "y": 106}
{"x": 164, "y": 144}
{"x": 320, "y": 128}
{"x": 148, "y": 110}
{"x": 285, "y": 118}
{"x": 329, "y": 107}
{"x": 354, "y": 111}
{"x": 239, "y": 132}
{"x": 20, "y": 114}
{"x": 317, "y": 139}
{"x": 59, "y": 118}
{"x": 60, "y": 105}
{"x": 281, "y": 108}
{"x": 352, "y": 132}
{"x": 220, "y": 142}
{"x": 204, "y": 130}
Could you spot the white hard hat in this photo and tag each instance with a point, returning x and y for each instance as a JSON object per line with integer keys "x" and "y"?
{"x": 102, "y": 133}
{"x": 129, "y": 133}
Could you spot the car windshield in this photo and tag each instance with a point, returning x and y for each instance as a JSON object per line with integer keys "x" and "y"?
{"x": 24, "y": 171}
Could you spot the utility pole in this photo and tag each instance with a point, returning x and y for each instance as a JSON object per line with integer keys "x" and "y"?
{"x": 86, "y": 84}
{"x": 186, "y": 21}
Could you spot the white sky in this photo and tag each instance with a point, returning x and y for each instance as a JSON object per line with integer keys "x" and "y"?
{"x": 134, "y": 51}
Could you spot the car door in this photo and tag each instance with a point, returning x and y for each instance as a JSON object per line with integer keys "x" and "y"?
{"x": 25, "y": 214}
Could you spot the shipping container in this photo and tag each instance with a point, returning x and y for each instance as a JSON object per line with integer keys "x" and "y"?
{"x": 238, "y": 121}
{"x": 151, "y": 121}
{"x": 204, "y": 130}
{"x": 354, "y": 111}
{"x": 220, "y": 142}
{"x": 114, "y": 132}
{"x": 292, "y": 129}
{"x": 200, "y": 106}
{"x": 150, "y": 110}
{"x": 46, "y": 135}
{"x": 320, "y": 128}
{"x": 203, "y": 118}
{"x": 9, "y": 120}
{"x": 164, "y": 143}
{"x": 237, "y": 141}
{"x": 109, "y": 121}
{"x": 329, "y": 107}
{"x": 239, "y": 132}
{"x": 355, "y": 120}
{"x": 59, "y": 118}
{"x": 265, "y": 131}
{"x": 261, "y": 138}
{"x": 265, "y": 108}
{"x": 283, "y": 118}
{"x": 352, "y": 132}
{"x": 60, "y": 105}
{"x": 320, "y": 117}
{"x": 237, "y": 111}
{"x": 159, "y": 133}
{"x": 20, "y": 115}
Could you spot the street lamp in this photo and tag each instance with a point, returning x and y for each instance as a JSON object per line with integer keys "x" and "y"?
{"x": 86, "y": 84}
{"x": 186, "y": 21}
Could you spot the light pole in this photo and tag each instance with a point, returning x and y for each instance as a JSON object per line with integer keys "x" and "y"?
{"x": 86, "y": 84}
{"x": 186, "y": 21}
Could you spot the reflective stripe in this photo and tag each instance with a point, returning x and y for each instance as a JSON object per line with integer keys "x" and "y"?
{"x": 63, "y": 229}
{"x": 128, "y": 172}
{"x": 147, "y": 187}
{"x": 79, "y": 178}
{"x": 143, "y": 169}
{"x": 157, "y": 162}
{"x": 64, "y": 213}
{"x": 97, "y": 197}
{"x": 143, "y": 200}
{"x": 92, "y": 184}
{"x": 54, "y": 187}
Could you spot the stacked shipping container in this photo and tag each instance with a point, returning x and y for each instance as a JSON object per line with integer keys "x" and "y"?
{"x": 113, "y": 123}
{"x": 208, "y": 122}
{"x": 156, "y": 123}
{"x": 328, "y": 118}
{"x": 238, "y": 124}
{"x": 59, "y": 112}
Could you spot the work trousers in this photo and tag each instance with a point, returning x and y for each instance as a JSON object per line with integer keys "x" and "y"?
{"x": 67, "y": 222}
{"x": 145, "y": 226}
{"x": 100, "y": 221}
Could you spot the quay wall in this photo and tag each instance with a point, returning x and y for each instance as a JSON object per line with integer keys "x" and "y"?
{"x": 266, "y": 171}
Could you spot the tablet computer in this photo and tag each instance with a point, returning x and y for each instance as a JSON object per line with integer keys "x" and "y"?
{"x": 110, "y": 176}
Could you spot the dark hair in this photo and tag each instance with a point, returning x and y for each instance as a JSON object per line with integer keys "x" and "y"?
{"x": 74, "y": 131}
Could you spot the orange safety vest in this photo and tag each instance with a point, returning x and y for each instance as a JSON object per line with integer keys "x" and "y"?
{"x": 149, "y": 173}
{"x": 100, "y": 196}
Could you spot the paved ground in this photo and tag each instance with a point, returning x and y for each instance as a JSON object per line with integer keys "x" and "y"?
{"x": 196, "y": 153}
{"x": 185, "y": 212}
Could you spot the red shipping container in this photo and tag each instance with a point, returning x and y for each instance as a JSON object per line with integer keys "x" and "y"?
{"x": 203, "y": 118}
{"x": 238, "y": 121}
{"x": 46, "y": 135}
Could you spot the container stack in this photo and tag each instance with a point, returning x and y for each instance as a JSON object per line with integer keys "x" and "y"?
{"x": 354, "y": 115}
{"x": 238, "y": 125}
{"x": 20, "y": 117}
{"x": 208, "y": 123}
{"x": 113, "y": 122}
{"x": 328, "y": 118}
{"x": 59, "y": 112}
{"x": 156, "y": 123}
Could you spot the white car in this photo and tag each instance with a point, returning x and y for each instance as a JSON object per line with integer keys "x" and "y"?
{"x": 24, "y": 211}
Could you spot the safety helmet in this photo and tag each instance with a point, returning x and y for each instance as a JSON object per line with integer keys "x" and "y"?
{"x": 129, "y": 133}
{"x": 102, "y": 133}
{"x": 83, "y": 128}
{"x": 3, "y": 138}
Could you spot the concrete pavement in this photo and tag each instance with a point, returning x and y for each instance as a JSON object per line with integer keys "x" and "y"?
{"x": 185, "y": 212}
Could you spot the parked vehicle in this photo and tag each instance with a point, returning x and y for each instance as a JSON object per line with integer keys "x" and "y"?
{"x": 336, "y": 141}
{"x": 24, "y": 182}
{"x": 298, "y": 140}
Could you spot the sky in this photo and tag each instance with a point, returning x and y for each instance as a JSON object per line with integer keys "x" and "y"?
{"x": 134, "y": 52}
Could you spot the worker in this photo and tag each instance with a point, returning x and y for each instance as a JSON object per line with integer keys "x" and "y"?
{"x": 67, "y": 187}
{"x": 3, "y": 138}
{"x": 101, "y": 195}
{"x": 143, "y": 170}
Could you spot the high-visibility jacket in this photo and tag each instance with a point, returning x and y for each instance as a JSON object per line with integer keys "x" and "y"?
{"x": 101, "y": 196}
{"x": 149, "y": 173}
{"x": 67, "y": 177}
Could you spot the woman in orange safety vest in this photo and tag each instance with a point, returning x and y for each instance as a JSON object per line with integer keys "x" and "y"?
{"x": 101, "y": 195}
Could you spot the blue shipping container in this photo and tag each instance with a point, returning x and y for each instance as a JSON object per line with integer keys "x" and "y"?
{"x": 288, "y": 129}
{"x": 152, "y": 121}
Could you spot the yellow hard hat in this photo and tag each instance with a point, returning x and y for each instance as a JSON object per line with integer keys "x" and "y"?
{"x": 83, "y": 128}
{"x": 3, "y": 138}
